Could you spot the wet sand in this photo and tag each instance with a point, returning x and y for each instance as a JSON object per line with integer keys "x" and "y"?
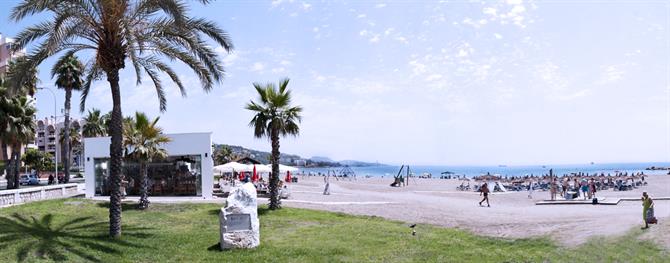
{"x": 512, "y": 214}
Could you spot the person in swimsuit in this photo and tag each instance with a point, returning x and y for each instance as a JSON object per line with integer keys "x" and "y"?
{"x": 485, "y": 191}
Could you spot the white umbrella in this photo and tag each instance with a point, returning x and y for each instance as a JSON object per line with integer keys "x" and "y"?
{"x": 283, "y": 168}
{"x": 233, "y": 166}
{"x": 262, "y": 168}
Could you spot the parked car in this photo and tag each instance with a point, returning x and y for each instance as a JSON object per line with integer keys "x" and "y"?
{"x": 29, "y": 179}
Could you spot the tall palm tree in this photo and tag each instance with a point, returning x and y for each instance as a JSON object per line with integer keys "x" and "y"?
{"x": 19, "y": 129}
{"x": 22, "y": 79}
{"x": 94, "y": 125}
{"x": 4, "y": 124}
{"x": 69, "y": 71}
{"x": 274, "y": 117}
{"x": 74, "y": 138}
{"x": 144, "y": 141}
{"x": 142, "y": 32}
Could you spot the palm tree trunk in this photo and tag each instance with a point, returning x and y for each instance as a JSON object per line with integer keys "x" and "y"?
{"x": 116, "y": 155}
{"x": 275, "y": 203}
{"x": 144, "y": 180}
{"x": 16, "y": 152}
{"x": 5, "y": 158}
{"x": 66, "y": 161}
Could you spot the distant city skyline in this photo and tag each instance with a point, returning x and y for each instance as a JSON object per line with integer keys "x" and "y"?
{"x": 432, "y": 83}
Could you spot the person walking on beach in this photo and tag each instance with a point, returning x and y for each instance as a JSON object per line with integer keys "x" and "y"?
{"x": 485, "y": 191}
{"x": 585, "y": 189}
{"x": 326, "y": 190}
{"x": 647, "y": 204}
{"x": 530, "y": 190}
{"x": 553, "y": 188}
{"x": 592, "y": 188}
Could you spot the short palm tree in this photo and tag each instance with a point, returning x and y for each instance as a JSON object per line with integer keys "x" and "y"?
{"x": 94, "y": 125}
{"x": 144, "y": 142}
{"x": 69, "y": 72}
{"x": 141, "y": 32}
{"x": 274, "y": 117}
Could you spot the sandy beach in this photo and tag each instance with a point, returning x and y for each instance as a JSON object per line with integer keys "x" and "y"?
{"x": 512, "y": 214}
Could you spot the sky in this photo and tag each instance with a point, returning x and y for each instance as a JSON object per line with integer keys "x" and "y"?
{"x": 425, "y": 82}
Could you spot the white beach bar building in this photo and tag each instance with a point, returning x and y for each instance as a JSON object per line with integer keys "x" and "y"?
{"x": 187, "y": 171}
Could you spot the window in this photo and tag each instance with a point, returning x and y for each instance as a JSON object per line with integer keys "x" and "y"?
{"x": 173, "y": 176}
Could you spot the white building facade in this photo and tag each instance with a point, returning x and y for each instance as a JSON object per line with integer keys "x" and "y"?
{"x": 187, "y": 171}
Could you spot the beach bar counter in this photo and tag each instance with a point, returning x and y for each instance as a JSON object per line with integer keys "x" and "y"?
{"x": 187, "y": 171}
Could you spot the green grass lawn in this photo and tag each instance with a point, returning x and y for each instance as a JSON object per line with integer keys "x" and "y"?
{"x": 76, "y": 230}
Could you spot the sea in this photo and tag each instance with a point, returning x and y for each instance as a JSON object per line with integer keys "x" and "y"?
{"x": 470, "y": 171}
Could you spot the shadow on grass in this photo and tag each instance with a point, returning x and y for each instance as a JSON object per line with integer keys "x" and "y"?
{"x": 124, "y": 206}
{"x": 49, "y": 241}
{"x": 262, "y": 210}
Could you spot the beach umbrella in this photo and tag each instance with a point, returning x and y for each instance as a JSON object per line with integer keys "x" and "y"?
{"x": 254, "y": 176}
{"x": 231, "y": 167}
{"x": 241, "y": 176}
{"x": 263, "y": 168}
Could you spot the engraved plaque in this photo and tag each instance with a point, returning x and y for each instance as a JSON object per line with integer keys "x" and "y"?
{"x": 237, "y": 222}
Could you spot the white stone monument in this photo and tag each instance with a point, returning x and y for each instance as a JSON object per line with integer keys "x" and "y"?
{"x": 239, "y": 219}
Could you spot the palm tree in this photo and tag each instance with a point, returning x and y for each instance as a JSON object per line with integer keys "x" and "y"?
{"x": 142, "y": 32}
{"x": 94, "y": 125}
{"x": 18, "y": 129}
{"x": 222, "y": 154}
{"x": 274, "y": 117}
{"x": 22, "y": 79}
{"x": 4, "y": 123}
{"x": 74, "y": 138}
{"x": 143, "y": 141}
{"x": 69, "y": 71}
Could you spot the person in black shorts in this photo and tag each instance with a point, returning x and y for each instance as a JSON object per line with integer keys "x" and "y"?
{"x": 485, "y": 191}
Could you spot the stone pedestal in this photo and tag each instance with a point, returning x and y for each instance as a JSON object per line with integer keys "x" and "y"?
{"x": 239, "y": 219}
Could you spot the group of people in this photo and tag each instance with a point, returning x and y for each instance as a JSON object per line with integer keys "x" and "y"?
{"x": 52, "y": 179}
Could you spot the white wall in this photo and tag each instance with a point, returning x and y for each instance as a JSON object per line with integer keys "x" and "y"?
{"x": 181, "y": 144}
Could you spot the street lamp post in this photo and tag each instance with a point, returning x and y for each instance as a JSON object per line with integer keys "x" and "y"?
{"x": 55, "y": 134}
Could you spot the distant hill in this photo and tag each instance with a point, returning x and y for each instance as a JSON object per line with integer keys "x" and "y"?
{"x": 290, "y": 159}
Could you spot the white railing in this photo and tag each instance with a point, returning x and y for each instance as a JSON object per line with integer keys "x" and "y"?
{"x": 18, "y": 196}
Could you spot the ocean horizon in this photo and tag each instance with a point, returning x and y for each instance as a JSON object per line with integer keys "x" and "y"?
{"x": 512, "y": 170}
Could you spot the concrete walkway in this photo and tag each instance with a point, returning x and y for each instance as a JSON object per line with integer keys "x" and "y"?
{"x": 601, "y": 201}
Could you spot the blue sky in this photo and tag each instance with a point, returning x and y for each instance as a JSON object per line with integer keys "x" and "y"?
{"x": 428, "y": 82}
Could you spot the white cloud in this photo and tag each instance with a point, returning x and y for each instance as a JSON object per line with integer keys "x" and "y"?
{"x": 402, "y": 39}
{"x": 388, "y": 31}
{"x": 490, "y": 11}
{"x": 362, "y": 16}
{"x": 433, "y": 77}
{"x": 382, "y": 5}
{"x": 276, "y": 3}
{"x": 285, "y": 63}
{"x": 278, "y": 70}
{"x": 417, "y": 68}
{"x": 514, "y": 2}
{"x": 258, "y": 66}
{"x": 229, "y": 59}
{"x": 610, "y": 74}
{"x": 306, "y": 6}
{"x": 498, "y": 36}
{"x": 374, "y": 39}
{"x": 363, "y": 33}
{"x": 315, "y": 29}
